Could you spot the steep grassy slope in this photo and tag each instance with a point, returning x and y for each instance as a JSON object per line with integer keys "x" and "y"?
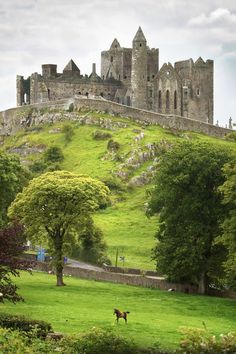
{"x": 124, "y": 224}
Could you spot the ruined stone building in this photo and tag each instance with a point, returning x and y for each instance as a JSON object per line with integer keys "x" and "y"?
{"x": 130, "y": 76}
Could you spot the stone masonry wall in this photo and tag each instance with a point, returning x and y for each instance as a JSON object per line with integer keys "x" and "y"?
{"x": 165, "y": 121}
{"x": 14, "y": 119}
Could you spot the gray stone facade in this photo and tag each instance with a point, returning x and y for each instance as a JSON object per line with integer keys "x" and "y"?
{"x": 130, "y": 76}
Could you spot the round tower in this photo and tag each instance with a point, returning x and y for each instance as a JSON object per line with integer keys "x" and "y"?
{"x": 139, "y": 71}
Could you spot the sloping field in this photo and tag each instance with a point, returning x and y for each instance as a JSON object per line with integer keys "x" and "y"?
{"x": 155, "y": 316}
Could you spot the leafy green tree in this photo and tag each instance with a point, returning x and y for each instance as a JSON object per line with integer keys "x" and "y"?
{"x": 229, "y": 226}
{"x": 53, "y": 154}
{"x": 54, "y": 205}
{"x": 189, "y": 203}
{"x": 12, "y": 178}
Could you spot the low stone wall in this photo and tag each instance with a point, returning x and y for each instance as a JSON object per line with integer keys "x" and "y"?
{"x": 136, "y": 280}
{"x": 130, "y": 271}
{"x": 14, "y": 119}
{"x": 128, "y": 279}
{"x": 165, "y": 121}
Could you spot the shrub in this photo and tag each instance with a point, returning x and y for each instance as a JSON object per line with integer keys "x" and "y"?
{"x": 12, "y": 342}
{"x": 113, "y": 145}
{"x": 23, "y": 324}
{"x": 100, "y": 341}
{"x": 114, "y": 184}
{"x": 53, "y": 167}
{"x": 199, "y": 341}
{"x": 68, "y": 131}
{"x": 53, "y": 154}
{"x": 38, "y": 166}
{"x": 99, "y": 135}
{"x": 231, "y": 136}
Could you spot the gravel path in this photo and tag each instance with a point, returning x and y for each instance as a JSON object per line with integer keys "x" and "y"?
{"x": 78, "y": 264}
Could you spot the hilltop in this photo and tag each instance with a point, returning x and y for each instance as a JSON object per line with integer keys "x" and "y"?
{"x": 119, "y": 151}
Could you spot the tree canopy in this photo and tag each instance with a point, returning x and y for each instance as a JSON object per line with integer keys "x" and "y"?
{"x": 54, "y": 205}
{"x": 189, "y": 204}
{"x": 12, "y": 242}
{"x": 229, "y": 225}
{"x": 12, "y": 178}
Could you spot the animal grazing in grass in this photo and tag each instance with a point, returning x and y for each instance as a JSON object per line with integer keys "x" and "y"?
{"x": 119, "y": 314}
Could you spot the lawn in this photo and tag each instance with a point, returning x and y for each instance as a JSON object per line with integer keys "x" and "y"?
{"x": 155, "y": 316}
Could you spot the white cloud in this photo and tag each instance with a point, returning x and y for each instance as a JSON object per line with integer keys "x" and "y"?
{"x": 220, "y": 15}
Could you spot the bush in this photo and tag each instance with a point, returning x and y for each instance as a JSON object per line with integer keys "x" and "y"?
{"x": 199, "y": 341}
{"x": 113, "y": 145}
{"x": 53, "y": 167}
{"x": 23, "y": 324}
{"x": 100, "y": 341}
{"x": 99, "y": 135}
{"x": 231, "y": 136}
{"x": 38, "y": 166}
{"x": 53, "y": 154}
{"x": 68, "y": 131}
{"x": 114, "y": 184}
{"x": 12, "y": 342}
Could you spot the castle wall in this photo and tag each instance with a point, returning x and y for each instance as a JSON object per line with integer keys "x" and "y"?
{"x": 111, "y": 64}
{"x": 168, "y": 91}
{"x": 49, "y": 90}
{"x": 197, "y": 89}
{"x": 152, "y": 63}
{"x": 15, "y": 119}
{"x": 116, "y": 63}
{"x": 201, "y": 99}
{"x": 19, "y": 90}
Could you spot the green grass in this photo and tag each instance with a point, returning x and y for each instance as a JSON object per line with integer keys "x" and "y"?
{"x": 124, "y": 224}
{"x": 155, "y": 316}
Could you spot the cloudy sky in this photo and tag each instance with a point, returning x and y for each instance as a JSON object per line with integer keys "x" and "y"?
{"x": 35, "y": 32}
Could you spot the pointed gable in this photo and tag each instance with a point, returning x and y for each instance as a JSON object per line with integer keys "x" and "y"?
{"x": 139, "y": 37}
{"x": 71, "y": 67}
{"x": 168, "y": 73}
{"x": 200, "y": 61}
{"x": 115, "y": 44}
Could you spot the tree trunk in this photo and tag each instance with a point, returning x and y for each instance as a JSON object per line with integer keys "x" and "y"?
{"x": 59, "y": 274}
{"x": 58, "y": 258}
{"x": 203, "y": 284}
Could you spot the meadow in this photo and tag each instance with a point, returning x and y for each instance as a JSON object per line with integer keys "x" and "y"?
{"x": 155, "y": 316}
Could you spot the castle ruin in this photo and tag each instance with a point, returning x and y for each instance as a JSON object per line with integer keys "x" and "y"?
{"x": 130, "y": 76}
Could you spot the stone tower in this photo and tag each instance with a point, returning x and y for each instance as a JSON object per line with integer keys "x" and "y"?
{"x": 139, "y": 71}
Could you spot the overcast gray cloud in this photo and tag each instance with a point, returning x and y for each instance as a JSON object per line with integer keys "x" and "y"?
{"x": 35, "y": 32}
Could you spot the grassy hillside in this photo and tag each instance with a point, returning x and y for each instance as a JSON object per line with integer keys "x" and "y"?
{"x": 124, "y": 224}
{"x": 155, "y": 316}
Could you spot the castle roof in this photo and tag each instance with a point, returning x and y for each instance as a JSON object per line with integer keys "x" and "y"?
{"x": 139, "y": 37}
{"x": 71, "y": 66}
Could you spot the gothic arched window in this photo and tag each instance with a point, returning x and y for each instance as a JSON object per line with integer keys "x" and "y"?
{"x": 167, "y": 99}
{"x": 175, "y": 100}
{"x": 159, "y": 100}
